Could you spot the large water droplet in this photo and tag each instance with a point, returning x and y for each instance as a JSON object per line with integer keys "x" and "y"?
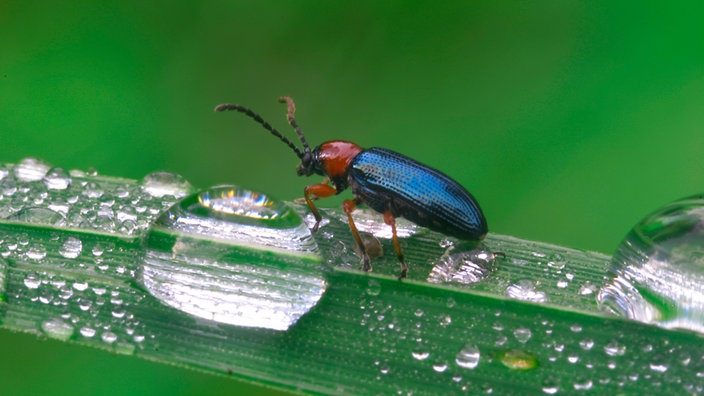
{"x": 657, "y": 273}
{"x": 71, "y": 248}
{"x": 234, "y": 256}
{"x": 163, "y": 183}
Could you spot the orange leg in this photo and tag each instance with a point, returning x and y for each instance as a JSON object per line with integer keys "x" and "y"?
{"x": 319, "y": 191}
{"x": 348, "y": 207}
{"x": 390, "y": 220}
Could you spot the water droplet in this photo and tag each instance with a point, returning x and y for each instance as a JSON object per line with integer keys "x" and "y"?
{"x": 420, "y": 354}
{"x": 468, "y": 357}
{"x": 586, "y": 344}
{"x": 562, "y": 284}
{"x": 32, "y": 281}
{"x": 658, "y": 367}
{"x": 80, "y": 286}
{"x": 613, "y": 348}
{"x": 57, "y": 179}
{"x": 159, "y": 184}
{"x": 517, "y": 359}
{"x": 36, "y": 252}
{"x": 522, "y": 335}
{"x": 58, "y": 329}
{"x": 36, "y": 215}
{"x": 440, "y": 366}
{"x": 92, "y": 190}
{"x": 587, "y": 289}
{"x": 109, "y": 337}
{"x": 31, "y": 169}
{"x": 525, "y": 291}
{"x": 373, "y": 288}
{"x": 550, "y": 386}
{"x": 583, "y": 384}
{"x": 234, "y": 256}
{"x": 657, "y": 273}
{"x": 576, "y": 328}
{"x": 87, "y": 332}
{"x": 464, "y": 268}
{"x": 71, "y": 248}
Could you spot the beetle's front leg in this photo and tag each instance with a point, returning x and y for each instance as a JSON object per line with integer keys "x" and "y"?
{"x": 319, "y": 191}
{"x": 391, "y": 220}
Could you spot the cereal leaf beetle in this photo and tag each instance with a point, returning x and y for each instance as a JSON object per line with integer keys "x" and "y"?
{"x": 386, "y": 181}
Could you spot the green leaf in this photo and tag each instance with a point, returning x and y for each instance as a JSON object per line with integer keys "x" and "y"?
{"x": 76, "y": 262}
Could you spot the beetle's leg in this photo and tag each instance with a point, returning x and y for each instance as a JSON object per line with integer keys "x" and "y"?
{"x": 319, "y": 191}
{"x": 391, "y": 220}
{"x": 348, "y": 207}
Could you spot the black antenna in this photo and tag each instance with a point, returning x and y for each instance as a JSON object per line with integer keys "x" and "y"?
{"x": 256, "y": 117}
{"x": 292, "y": 120}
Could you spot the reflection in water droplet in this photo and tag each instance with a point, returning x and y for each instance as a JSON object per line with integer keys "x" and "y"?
{"x": 468, "y": 357}
{"x": 525, "y": 290}
{"x": 58, "y": 329}
{"x": 31, "y": 169}
{"x": 657, "y": 273}
{"x": 517, "y": 359}
{"x": 464, "y": 267}
{"x": 162, "y": 183}
{"x": 236, "y": 257}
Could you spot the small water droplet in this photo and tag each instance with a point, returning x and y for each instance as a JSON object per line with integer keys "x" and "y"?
{"x": 57, "y": 179}
{"x": 87, "y": 332}
{"x": 373, "y": 288}
{"x": 525, "y": 290}
{"x": 468, "y": 357}
{"x": 613, "y": 348}
{"x": 108, "y": 337}
{"x": 440, "y": 366}
{"x": 465, "y": 267}
{"x": 420, "y": 354}
{"x": 586, "y": 344}
{"x": 92, "y": 190}
{"x": 36, "y": 252}
{"x": 32, "y": 281}
{"x": 583, "y": 384}
{"x": 522, "y": 335}
{"x": 550, "y": 386}
{"x": 562, "y": 284}
{"x": 58, "y": 329}
{"x": 159, "y": 184}
{"x": 587, "y": 289}
{"x": 71, "y": 248}
{"x": 31, "y": 169}
{"x": 80, "y": 286}
{"x": 576, "y": 328}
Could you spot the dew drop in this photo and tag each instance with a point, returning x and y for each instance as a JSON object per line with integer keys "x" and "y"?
{"x": 87, "y": 332}
{"x": 31, "y": 169}
{"x": 420, "y": 354}
{"x": 234, "y": 256}
{"x": 657, "y": 273}
{"x": 159, "y": 184}
{"x": 440, "y": 366}
{"x": 108, "y": 337}
{"x": 57, "y": 329}
{"x": 550, "y": 386}
{"x": 525, "y": 290}
{"x": 464, "y": 268}
{"x": 71, "y": 248}
{"x": 522, "y": 335}
{"x": 57, "y": 179}
{"x": 36, "y": 252}
{"x": 32, "y": 281}
{"x": 373, "y": 288}
{"x": 613, "y": 348}
{"x": 468, "y": 357}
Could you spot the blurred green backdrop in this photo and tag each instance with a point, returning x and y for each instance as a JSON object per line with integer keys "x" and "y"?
{"x": 569, "y": 121}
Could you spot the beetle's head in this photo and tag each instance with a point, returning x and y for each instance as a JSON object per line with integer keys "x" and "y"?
{"x": 307, "y": 165}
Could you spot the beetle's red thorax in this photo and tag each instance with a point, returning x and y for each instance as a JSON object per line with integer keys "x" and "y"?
{"x": 335, "y": 157}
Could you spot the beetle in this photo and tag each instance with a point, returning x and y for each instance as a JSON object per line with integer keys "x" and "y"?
{"x": 386, "y": 181}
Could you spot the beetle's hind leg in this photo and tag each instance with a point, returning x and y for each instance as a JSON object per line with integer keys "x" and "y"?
{"x": 348, "y": 206}
{"x": 391, "y": 220}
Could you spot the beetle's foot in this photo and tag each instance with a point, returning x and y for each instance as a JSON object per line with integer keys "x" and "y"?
{"x": 315, "y": 227}
{"x": 499, "y": 254}
{"x": 403, "y": 274}
{"x": 367, "y": 266}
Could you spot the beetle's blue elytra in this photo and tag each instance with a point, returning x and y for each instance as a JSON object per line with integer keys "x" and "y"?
{"x": 386, "y": 181}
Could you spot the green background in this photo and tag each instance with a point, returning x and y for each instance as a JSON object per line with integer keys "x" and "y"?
{"x": 569, "y": 121}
